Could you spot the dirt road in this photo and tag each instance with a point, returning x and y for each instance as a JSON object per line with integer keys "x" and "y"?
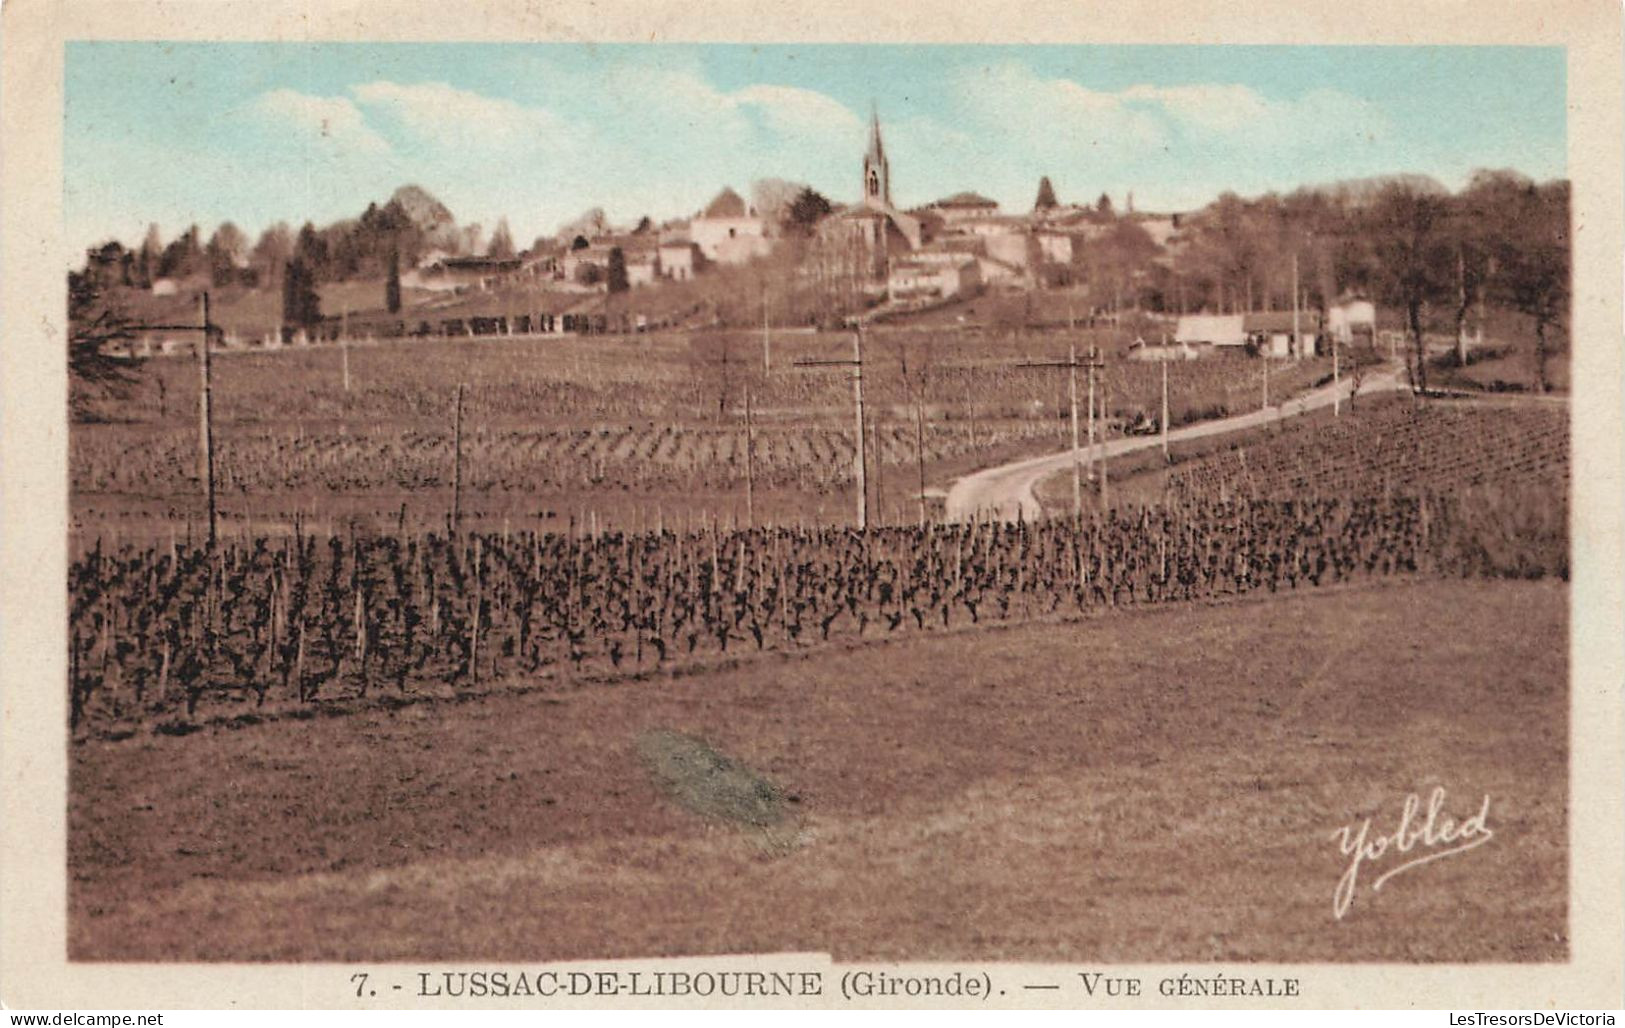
{"x": 1006, "y": 492}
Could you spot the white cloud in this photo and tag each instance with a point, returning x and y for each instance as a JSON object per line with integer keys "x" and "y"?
{"x": 1241, "y": 114}
{"x": 799, "y": 113}
{"x": 1014, "y": 124}
{"x": 440, "y": 114}
{"x": 1212, "y": 108}
{"x": 1060, "y": 114}
{"x": 327, "y": 120}
{"x": 1056, "y": 117}
{"x": 790, "y": 116}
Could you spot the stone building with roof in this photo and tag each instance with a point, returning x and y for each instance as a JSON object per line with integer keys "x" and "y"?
{"x": 963, "y": 207}
{"x": 728, "y": 231}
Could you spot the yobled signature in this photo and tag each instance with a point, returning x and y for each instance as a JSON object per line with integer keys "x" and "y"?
{"x": 1429, "y": 835}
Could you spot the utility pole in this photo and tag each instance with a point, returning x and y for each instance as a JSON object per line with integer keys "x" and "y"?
{"x": 1337, "y": 382}
{"x": 344, "y": 344}
{"x": 856, "y": 364}
{"x": 767, "y": 339}
{"x": 857, "y": 404}
{"x": 1165, "y": 406}
{"x": 205, "y": 440}
{"x": 206, "y": 420}
{"x": 457, "y": 463}
{"x": 919, "y": 453}
{"x": 880, "y": 473}
{"x": 1105, "y": 423}
{"x": 1071, "y": 365}
{"x": 1072, "y": 403}
{"x": 750, "y": 465}
{"x": 1297, "y": 340}
{"x": 1091, "y": 411}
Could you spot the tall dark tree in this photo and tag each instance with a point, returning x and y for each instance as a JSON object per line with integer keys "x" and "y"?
{"x": 806, "y": 211}
{"x": 226, "y": 252}
{"x": 310, "y": 249}
{"x": 392, "y": 284}
{"x": 382, "y": 234}
{"x": 152, "y": 250}
{"x": 1046, "y": 196}
{"x": 616, "y": 278}
{"x": 184, "y": 257}
{"x": 301, "y": 304}
{"x": 1104, "y": 204}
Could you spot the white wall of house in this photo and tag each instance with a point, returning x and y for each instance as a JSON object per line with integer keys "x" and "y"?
{"x": 729, "y": 240}
{"x": 1009, "y": 247}
{"x": 1056, "y": 247}
{"x": 1344, "y": 319}
{"x": 1217, "y": 329}
{"x": 934, "y": 278}
{"x": 640, "y": 273}
{"x": 677, "y": 261}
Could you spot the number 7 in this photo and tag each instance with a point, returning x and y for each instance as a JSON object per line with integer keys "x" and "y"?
{"x": 360, "y": 985}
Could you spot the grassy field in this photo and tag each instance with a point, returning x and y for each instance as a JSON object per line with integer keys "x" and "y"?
{"x": 1160, "y": 785}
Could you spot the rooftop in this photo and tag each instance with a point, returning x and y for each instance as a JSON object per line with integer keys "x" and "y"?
{"x": 966, "y": 200}
{"x": 726, "y": 204}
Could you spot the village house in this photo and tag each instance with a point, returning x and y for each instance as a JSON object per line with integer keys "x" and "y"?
{"x": 1217, "y": 330}
{"x": 1009, "y": 242}
{"x": 962, "y": 208}
{"x": 1271, "y": 333}
{"x": 1166, "y": 350}
{"x": 584, "y": 265}
{"x": 441, "y": 273}
{"x": 728, "y": 231}
{"x": 1350, "y": 318}
{"x": 642, "y": 266}
{"x": 677, "y": 258}
{"x": 1268, "y": 332}
{"x": 1054, "y": 247}
{"x": 939, "y": 275}
{"x": 589, "y": 265}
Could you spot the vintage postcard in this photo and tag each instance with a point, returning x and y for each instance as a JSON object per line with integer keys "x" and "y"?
{"x": 773, "y": 507}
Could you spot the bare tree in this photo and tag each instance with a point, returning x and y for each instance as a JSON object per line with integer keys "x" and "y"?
{"x": 1534, "y": 264}
{"x": 1414, "y": 256}
{"x": 501, "y": 246}
{"x": 95, "y": 328}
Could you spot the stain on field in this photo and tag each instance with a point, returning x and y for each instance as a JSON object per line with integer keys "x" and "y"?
{"x": 1149, "y": 786}
{"x": 699, "y": 778}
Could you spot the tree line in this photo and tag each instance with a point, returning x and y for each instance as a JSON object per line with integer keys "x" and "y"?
{"x": 1404, "y": 242}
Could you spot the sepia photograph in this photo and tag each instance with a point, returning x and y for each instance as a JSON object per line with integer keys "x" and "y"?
{"x": 959, "y": 504}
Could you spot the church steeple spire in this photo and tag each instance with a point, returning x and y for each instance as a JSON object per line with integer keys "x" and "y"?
{"x": 876, "y": 170}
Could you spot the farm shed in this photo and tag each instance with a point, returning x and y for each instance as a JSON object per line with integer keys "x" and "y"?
{"x": 1212, "y": 329}
{"x": 1271, "y": 331}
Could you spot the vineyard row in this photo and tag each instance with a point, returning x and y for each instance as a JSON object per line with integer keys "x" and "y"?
{"x": 160, "y": 631}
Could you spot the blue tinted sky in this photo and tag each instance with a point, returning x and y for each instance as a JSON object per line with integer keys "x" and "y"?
{"x": 182, "y": 133}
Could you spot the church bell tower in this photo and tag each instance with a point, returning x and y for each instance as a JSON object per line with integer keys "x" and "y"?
{"x": 876, "y": 172}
